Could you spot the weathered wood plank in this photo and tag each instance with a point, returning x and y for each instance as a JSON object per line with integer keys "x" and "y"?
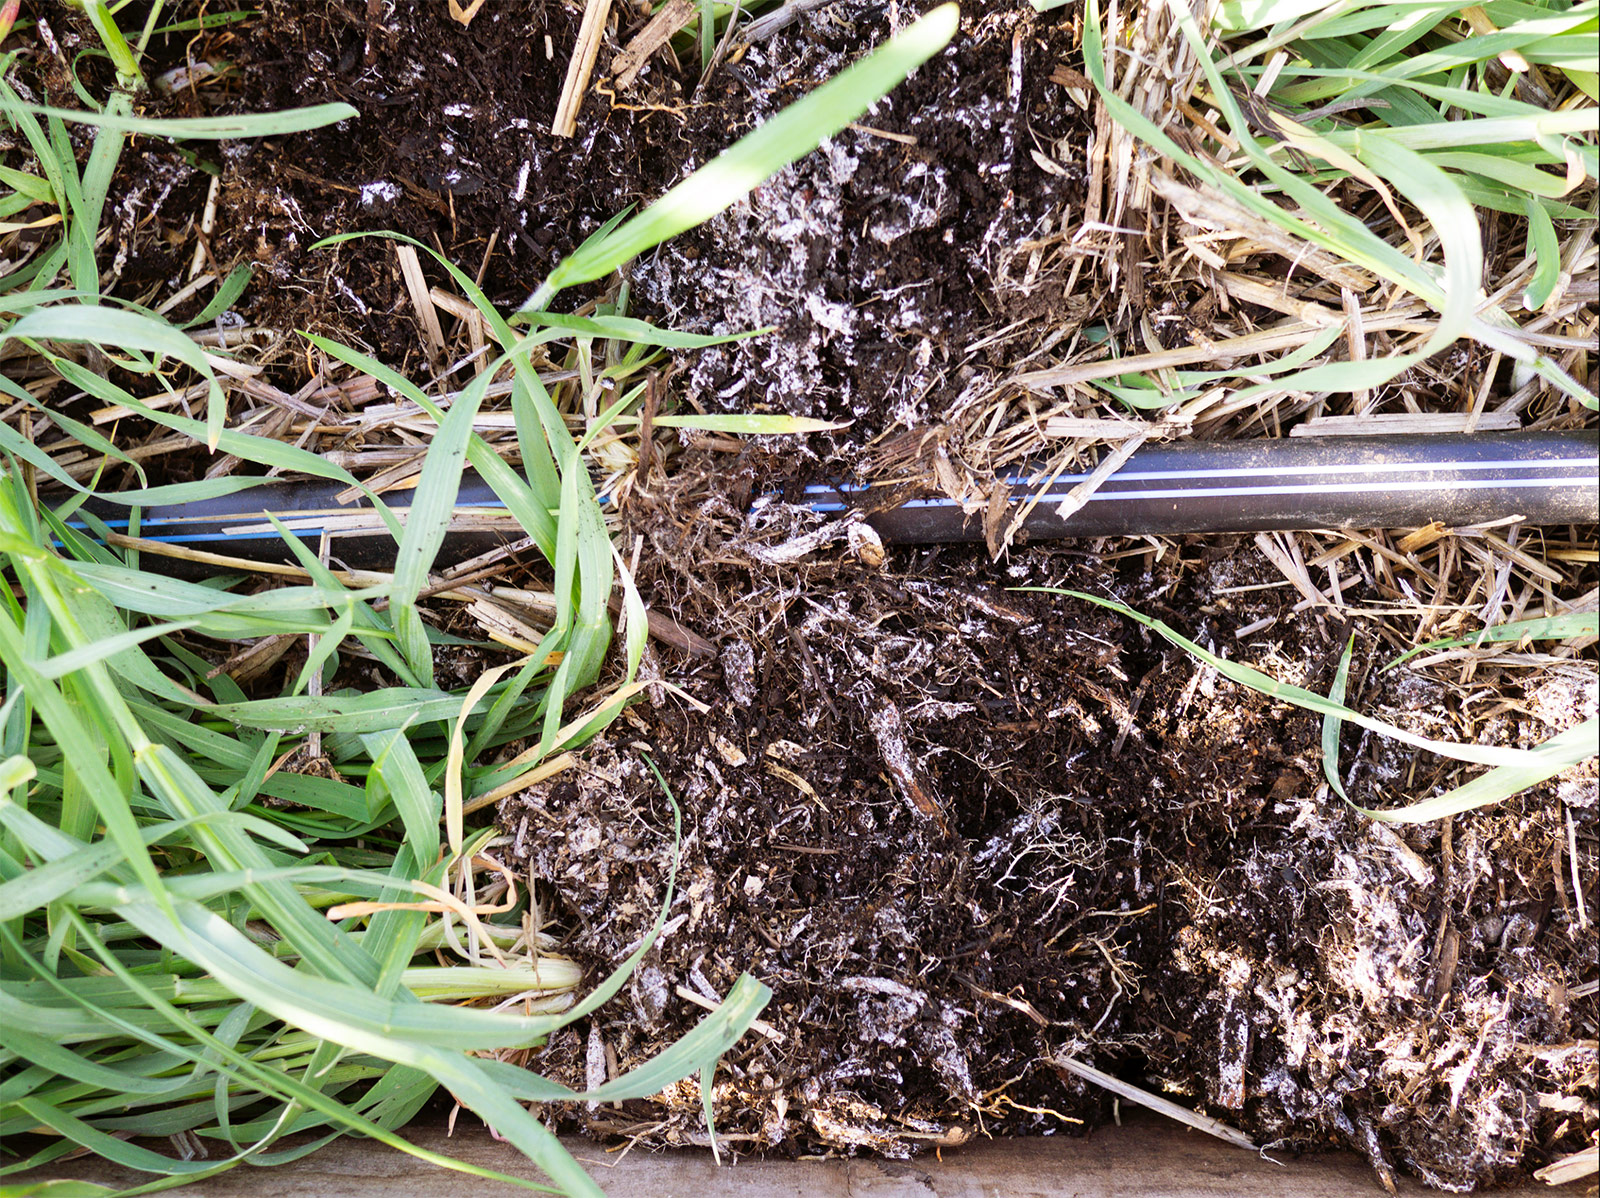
{"x": 1147, "y": 1159}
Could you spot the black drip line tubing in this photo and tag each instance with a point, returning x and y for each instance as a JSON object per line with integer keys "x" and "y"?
{"x": 1307, "y": 483}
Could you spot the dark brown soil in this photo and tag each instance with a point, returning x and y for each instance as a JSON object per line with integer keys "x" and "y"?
{"x": 961, "y": 829}
{"x": 878, "y": 260}
{"x": 958, "y": 829}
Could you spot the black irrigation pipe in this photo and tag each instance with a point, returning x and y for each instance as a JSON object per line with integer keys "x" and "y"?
{"x": 1186, "y": 487}
{"x": 1299, "y": 483}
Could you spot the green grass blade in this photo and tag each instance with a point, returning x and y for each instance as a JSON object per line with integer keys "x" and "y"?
{"x": 100, "y": 325}
{"x": 523, "y": 502}
{"x": 751, "y": 424}
{"x": 122, "y": 1152}
{"x": 395, "y": 765}
{"x": 1545, "y": 251}
{"x": 1300, "y": 697}
{"x": 81, "y": 746}
{"x": 1479, "y": 131}
{"x": 432, "y": 509}
{"x": 263, "y": 450}
{"x": 386, "y": 709}
{"x": 74, "y": 660}
{"x": 1572, "y": 624}
{"x": 370, "y": 629}
{"x": 226, "y": 295}
{"x": 706, "y": 29}
{"x": 1454, "y": 223}
{"x": 422, "y": 1037}
{"x": 1549, "y": 759}
{"x": 219, "y": 128}
{"x": 637, "y": 332}
{"x": 271, "y": 1081}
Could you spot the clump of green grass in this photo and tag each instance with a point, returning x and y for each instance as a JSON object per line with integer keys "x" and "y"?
{"x": 196, "y": 940}
{"x": 1312, "y": 103}
{"x": 211, "y": 962}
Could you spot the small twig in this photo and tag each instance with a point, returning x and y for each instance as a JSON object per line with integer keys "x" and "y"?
{"x": 1212, "y": 1127}
{"x": 1095, "y": 428}
{"x": 1577, "y": 882}
{"x": 401, "y": 475}
{"x": 888, "y": 726}
{"x": 253, "y": 658}
{"x": 208, "y": 220}
{"x": 1021, "y": 1006}
{"x": 475, "y": 568}
{"x": 652, "y": 396}
{"x": 774, "y": 22}
{"x": 904, "y": 139}
{"x": 674, "y": 15}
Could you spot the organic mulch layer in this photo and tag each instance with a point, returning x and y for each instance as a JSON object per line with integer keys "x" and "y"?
{"x": 964, "y": 832}
{"x": 876, "y": 261}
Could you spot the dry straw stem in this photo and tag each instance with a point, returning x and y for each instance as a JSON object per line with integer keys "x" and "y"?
{"x": 780, "y": 18}
{"x": 580, "y": 66}
{"x": 1154, "y": 1102}
{"x": 1573, "y": 1167}
{"x": 542, "y": 772}
{"x": 658, "y": 31}
{"x": 463, "y": 15}
{"x": 759, "y": 1026}
{"x": 1393, "y": 424}
{"x": 421, "y": 301}
{"x": 1265, "y": 342}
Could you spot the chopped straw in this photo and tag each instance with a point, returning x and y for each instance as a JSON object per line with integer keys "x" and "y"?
{"x": 580, "y": 66}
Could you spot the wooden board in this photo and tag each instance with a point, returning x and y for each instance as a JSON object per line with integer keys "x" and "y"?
{"x": 1147, "y": 1159}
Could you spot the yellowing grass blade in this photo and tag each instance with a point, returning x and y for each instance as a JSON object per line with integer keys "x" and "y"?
{"x": 1549, "y": 759}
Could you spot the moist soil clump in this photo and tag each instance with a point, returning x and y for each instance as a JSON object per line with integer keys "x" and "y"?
{"x": 962, "y": 831}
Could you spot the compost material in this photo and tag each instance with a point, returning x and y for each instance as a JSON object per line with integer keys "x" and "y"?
{"x": 959, "y": 829}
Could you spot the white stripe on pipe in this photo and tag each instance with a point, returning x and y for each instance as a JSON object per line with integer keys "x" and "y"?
{"x": 1420, "y": 486}
{"x": 1278, "y": 471}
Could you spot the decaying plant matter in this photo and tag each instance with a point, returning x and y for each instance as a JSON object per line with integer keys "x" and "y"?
{"x": 980, "y": 842}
